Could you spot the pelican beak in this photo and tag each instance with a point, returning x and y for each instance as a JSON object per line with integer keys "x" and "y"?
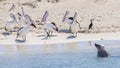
{"x": 14, "y": 17}
{"x": 33, "y": 25}
{"x": 45, "y": 16}
{"x": 64, "y": 18}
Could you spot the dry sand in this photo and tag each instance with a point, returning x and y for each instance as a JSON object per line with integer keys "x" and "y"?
{"x": 105, "y": 12}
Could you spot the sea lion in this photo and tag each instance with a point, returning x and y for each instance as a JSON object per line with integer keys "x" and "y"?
{"x": 102, "y": 52}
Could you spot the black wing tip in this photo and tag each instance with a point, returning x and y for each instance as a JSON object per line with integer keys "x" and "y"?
{"x": 70, "y": 18}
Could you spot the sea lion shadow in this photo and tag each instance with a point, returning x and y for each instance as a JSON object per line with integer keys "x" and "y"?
{"x": 19, "y": 41}
{"x": 115, "y": 56}
{"x": 108, "y": 57}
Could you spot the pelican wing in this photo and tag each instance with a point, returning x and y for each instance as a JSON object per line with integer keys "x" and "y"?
{"x": 53, "y": 25}
{"x": 19, "y": 31}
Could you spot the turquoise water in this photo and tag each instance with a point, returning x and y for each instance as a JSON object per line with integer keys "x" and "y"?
{"x": 75, "y": 55}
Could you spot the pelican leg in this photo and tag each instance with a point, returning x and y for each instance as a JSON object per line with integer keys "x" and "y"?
{"x": 48, "y": 35}
{"x": 73, "y": 34}
{"x": 17, "y": 36}
{"x": 76, "y": 34}
{"x": 10, "y": 32}
{"x": 24, "y": 38}
{"x": 70, "y": 29}
{"x": 51, "y": 33}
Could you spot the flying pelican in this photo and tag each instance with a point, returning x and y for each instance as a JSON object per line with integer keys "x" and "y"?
{"x": 25, "y": 29}
{"x": 10, "y": 23}
{"x": 69, "y": 20}
{"x": 50, "y": 26}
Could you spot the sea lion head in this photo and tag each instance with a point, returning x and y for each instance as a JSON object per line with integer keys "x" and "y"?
{"x": 102, "y": 52}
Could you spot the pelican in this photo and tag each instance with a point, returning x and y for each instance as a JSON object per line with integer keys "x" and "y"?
{"x": 25, "y": 29}
{"x": 50, "y": 26}
{"x": 10, "y": 23}
{"x": 74, "y": 26}
{"x": 69, "y": 20}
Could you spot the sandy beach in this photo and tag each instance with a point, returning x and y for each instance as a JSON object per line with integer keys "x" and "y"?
{"x": 62, "y": 49}
{"x": 38, "y": 39}
{"x": 105, "y": 12}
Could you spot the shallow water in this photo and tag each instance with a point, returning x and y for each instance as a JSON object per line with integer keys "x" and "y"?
{"x": 74, "y": 55}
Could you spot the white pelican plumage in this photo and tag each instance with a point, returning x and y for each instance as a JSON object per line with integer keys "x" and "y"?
{"x": 22, "y": 32}
{"x": 50, "y": 26}
{"x": 10, "y": 23}
{"x": 69, "y": 20}
{"x": 74, "y": 26}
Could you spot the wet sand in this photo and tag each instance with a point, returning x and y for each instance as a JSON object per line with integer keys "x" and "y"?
{"x": 38, "y": 39}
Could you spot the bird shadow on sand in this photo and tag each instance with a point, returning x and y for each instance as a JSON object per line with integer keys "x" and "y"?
{"x": 83, "y": 31}
{"x": 40, "y": 35}
{"x": 71, "y": 37}
{"x": 65, "y": 31}
{"x": 44, "y": 36}
{"x": 14, "y": 30}
{"x": 5, "y": 33}
{"x": 19, "y": 41}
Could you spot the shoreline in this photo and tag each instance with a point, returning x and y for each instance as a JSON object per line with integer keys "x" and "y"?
{"x": 37, "y": 39}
